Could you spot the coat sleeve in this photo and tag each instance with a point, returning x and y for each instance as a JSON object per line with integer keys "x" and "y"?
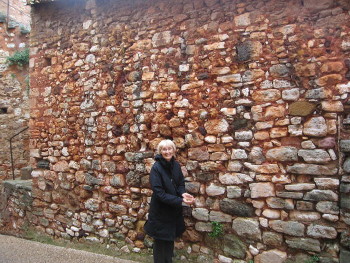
{"x": 181, "y": 188}
{"x": 159, "y": 191}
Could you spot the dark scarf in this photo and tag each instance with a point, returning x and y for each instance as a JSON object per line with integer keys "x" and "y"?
{"x": 168, "y": 165}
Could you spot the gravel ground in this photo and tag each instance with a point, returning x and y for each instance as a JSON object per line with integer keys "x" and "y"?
{"x": 17, "y": 250}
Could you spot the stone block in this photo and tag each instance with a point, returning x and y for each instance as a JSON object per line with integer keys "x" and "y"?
{"x": 26, "y": 173}
{"x": 259, "y": 190}
{"x": 280, "y": 203}
{"x": 345, "y": 145}
{"x": 234, "y": 247}
{"x": 282, "y": 154}
{"x": 272, "y": 239}
{"x": 274, "y": 255}
{"x": 321, "y": 195}
{"x": 314, "y": 156}
{"x": 247, "y": 228}
{"x": 320, "y": 231}
{"x": 307, "y": 244}
{"x": 301, "y": 108}
{"x": 311, "y": 169}
{"x": 316, "y": 126}
{"x": 344, "y": 256}
{"x": 291, "y": 228}
{"x": 236, "y": 208}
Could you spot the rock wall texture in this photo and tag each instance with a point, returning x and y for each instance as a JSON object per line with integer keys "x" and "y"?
{"x": 18, "y": 11}
{"x": 254, "y": 94}
{"x": 15, "y": 205}
{"x": 14, "y": 101}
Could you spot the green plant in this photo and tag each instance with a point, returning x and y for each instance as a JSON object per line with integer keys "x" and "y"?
{"x": 251, "y": 261}
{"x": 19, "y": 58}
{"x": 313, "y": 259}
{"x": 217, "y": 229}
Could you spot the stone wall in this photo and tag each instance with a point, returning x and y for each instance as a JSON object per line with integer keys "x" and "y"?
{"x": 14, "y": 101}
{"x": 254, "y": 94}
{"x": 18, "y": 10}
{"x": 15, "y": 205}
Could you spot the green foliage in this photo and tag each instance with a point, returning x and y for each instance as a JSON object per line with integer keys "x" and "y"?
{"x": 217, "y": 229}
{"x": 313, "y": 259}
{"x": 251, "y": 261}
{"x": 20, "y": 58}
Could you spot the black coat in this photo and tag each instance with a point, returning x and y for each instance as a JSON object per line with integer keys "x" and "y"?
{"x": 165, "y": 219}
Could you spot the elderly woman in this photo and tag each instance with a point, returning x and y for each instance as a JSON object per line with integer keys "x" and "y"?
{"x": 165, "y": 219}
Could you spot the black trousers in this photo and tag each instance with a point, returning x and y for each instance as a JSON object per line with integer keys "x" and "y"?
{"x": 163, "y": 251}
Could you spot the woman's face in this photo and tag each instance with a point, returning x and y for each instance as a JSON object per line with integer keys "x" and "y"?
{"x": 167, "y": 152}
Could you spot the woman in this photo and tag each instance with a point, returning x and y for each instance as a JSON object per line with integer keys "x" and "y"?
{"x": 165, "y": 220}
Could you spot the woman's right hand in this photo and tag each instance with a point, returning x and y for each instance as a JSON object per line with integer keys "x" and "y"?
{"x": 187, "y": 198}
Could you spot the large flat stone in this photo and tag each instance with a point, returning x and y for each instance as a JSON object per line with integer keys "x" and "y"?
{"x": 307, "y": 244}
{"x": 291, "y": 228}
{"x": 311, "y": 169}
{"x": 247, "y": 228}
{"x": 301, "y": 108}
{"x": 236, "y": 208}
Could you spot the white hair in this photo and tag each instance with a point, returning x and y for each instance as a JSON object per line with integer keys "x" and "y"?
{"x": 165, "y": 143}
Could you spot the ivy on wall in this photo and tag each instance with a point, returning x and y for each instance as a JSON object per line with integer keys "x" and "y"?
{"x": 20, "y": 58}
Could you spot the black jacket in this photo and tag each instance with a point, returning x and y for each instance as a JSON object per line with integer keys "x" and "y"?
{"x": 165, "y": 219}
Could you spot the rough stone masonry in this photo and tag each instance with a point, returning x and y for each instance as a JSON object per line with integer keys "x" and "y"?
{"x": 254, "y": 93}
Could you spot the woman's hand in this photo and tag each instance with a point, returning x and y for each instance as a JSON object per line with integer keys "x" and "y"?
{"x": 187, "y": 198}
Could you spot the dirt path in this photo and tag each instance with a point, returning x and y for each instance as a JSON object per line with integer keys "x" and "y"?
{"x": 17, "y": 250}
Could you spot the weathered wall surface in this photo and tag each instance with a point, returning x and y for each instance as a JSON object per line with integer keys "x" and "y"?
{"x": 254, "y": 93}
{"x": 14, "y": 102}
{"x": 15, "y": 205}
{"x": 18, "y": 11}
